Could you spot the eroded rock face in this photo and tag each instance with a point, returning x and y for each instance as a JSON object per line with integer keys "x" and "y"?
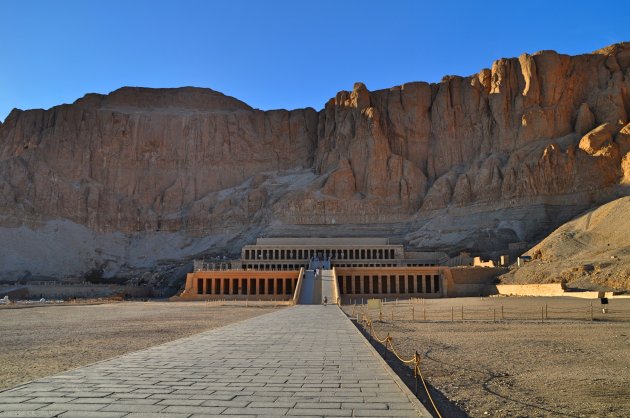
{"x": 194, "y": 161}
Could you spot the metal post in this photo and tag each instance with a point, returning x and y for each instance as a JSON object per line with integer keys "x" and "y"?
{"x": 413, "y": 313}
{"x": 546, "y": 312}
{"x": 452, "y": 314}
{"x": 462, "y": 313}
{"x": 502, "y": 315}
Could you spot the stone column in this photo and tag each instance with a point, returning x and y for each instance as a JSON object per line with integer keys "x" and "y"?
{"x": 361, "y": 290}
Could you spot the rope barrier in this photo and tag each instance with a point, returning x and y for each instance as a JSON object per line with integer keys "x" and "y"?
{"x": 388, "y": 341}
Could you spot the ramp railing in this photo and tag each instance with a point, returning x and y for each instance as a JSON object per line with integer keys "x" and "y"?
{"x": 298, "y": 287}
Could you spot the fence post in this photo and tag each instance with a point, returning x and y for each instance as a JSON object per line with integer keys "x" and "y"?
{"x": 413, "y": 313}
{"x": 502, "y": 315}
{"x": 462, "y": 313}
{"x": 542, "y": 314}
{"x": 452, "y": 314}
{"x": 546, "y": 312}
{"x": 415, "y": 370}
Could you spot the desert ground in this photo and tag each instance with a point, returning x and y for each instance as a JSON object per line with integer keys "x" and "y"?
{"x": 38, "y": 341}
{"x": 546, "y": 358}
{"x": 508, "y": 357}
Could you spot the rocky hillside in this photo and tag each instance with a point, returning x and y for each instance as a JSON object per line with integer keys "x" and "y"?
{"x": 142, "y": 176}
{"x": 590, "y": 251}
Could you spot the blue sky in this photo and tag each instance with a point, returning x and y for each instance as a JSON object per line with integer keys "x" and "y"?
{"x": 277, "y": 54}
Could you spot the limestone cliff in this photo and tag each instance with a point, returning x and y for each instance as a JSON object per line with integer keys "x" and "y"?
{"x": 468, "y": 163}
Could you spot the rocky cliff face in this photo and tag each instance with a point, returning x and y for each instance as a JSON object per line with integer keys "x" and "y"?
{"x": 471, "y": 162}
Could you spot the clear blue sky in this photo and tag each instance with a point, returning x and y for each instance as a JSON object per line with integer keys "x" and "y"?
{"x": 277, "y": 54}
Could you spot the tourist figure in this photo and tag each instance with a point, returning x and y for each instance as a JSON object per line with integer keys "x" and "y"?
{"x": 325, "y": 300}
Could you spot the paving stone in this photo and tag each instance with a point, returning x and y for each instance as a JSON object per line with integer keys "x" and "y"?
{"x": 133, "y": 408}
{"x": 75, "y": 406}
{"x": 161, "y": 415}
{"x": 319, "y": 412}
{"x": 280, "y": 404}
{"x": 182, "y": 402}
{"x": 92, "y": 414}
{"x": 207, "y": 410}
{"x": 321, "y": 405}
{"x": 24, "y": 407}
{"x": 15, "y": 399}
{"x": 57, "y": 399}
{"x": 304, "y": 360}
{"x": 256, "y": 411}
{"x": 31, "y": 414}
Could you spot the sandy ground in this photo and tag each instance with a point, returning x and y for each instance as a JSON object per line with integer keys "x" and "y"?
{"x": 40, "y": 341}
{"x": 519, "y": 367}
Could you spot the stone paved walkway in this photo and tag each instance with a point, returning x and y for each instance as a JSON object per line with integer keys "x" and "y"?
{"x": 304, "y": 360}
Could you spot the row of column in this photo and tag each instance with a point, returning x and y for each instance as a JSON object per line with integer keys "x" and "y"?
{"x": 305, "y": 254}
{"x": 389, "y": 284}
{"x": 284, "y": 267}
{"x": 231, "y": 286}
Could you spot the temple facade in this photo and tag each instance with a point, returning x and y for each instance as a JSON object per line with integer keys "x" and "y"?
{"x": 273, "y": 269}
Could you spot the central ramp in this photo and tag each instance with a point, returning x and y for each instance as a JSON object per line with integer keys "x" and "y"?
{"x": 303, "y": 360}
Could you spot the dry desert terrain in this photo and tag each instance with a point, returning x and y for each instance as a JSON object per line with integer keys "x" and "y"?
{"x": 527, "y": 365}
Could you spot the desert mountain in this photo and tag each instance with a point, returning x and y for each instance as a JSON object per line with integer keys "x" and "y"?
{"x": 590, "y": 250}
{"x": 139, "y": 177}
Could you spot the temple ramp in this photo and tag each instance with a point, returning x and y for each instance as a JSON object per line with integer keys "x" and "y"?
{"x": 310, "y": 291}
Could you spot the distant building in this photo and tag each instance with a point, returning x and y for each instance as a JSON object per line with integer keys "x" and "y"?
{"x": 271, "y": 269}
